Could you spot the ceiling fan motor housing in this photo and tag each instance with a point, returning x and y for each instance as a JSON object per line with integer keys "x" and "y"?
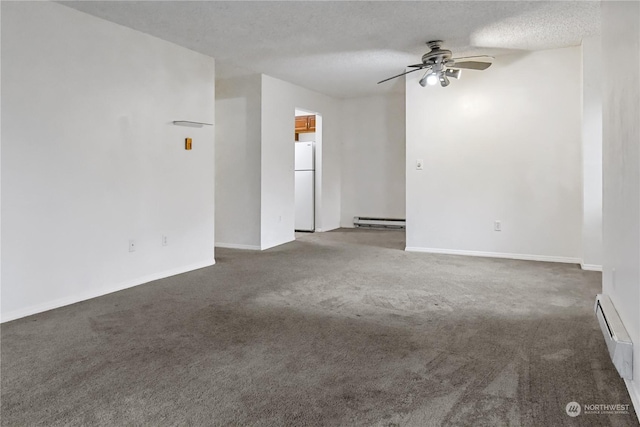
{"x": 436, "y": 55}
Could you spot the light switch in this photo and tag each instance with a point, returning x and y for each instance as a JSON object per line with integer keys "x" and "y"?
{"x": 419, "y": 164}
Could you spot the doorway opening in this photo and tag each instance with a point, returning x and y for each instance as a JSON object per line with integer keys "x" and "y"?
{"x": 307, "y": 170}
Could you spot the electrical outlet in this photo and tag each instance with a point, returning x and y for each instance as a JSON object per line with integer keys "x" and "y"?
{"x": 419, "y": 164}
{"x": 132, "y": 245}
{"x": 165, "y": 241}
{"x": 497, "y": 226}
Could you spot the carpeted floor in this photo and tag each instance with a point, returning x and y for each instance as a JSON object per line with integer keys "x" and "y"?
{"x": 339, "y": 329}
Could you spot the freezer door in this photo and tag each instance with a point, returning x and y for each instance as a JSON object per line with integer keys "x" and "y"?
{"x": 304, "y": 156}
{"x": 305, "y": 206}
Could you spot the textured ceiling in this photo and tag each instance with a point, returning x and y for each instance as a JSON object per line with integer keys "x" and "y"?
{"x": 343, "y": 48}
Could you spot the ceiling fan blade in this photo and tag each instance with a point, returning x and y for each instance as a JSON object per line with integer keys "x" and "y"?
{"x": 471, "y": 57}
{"x": 399, "y": 75}
{"x": 471, "y": 65}
{"x": 421, "y": 65}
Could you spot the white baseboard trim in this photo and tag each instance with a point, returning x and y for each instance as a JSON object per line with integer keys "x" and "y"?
{"x": 61, "y": 302}
{"x": 237, "y": 246}
{"x": 273, "y": 245}
{"x": 526, "y": 257}
{"x": 591, "y": 267}
{"x": 634, "y": 392}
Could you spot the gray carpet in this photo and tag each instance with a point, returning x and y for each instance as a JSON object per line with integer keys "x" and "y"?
{"x": 339, "y": 328}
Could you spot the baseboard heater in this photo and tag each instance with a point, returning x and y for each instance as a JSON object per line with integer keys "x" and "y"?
{"x": 363, "y": 221}
{"x": 615, "y": 335}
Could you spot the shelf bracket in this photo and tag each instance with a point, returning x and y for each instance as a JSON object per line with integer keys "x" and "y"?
{"x": 190, "y": 123}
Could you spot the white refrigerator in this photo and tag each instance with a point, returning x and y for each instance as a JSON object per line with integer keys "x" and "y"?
{"x": 305, "y": 186}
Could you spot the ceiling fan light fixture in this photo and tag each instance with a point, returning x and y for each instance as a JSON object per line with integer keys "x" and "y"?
{"x": 444, "y": 81}
{"x": 432, "y": 79}
{"x": 453, "y": 73}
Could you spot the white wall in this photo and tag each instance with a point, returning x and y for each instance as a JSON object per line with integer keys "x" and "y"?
{"x": 501, "y": 144}
{"x": 279, "y": 101}
{"x": 621, "y": 169}
{"x": 592, "y": 153}
{"x": 373, "y": 158}
{"x": 238, "y": 159}
{"x": 255, "y": 203}
{"x": 90, "y": 158}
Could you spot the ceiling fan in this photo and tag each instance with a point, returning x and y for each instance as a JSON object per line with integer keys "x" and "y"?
{"x": 439, "y": 65}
